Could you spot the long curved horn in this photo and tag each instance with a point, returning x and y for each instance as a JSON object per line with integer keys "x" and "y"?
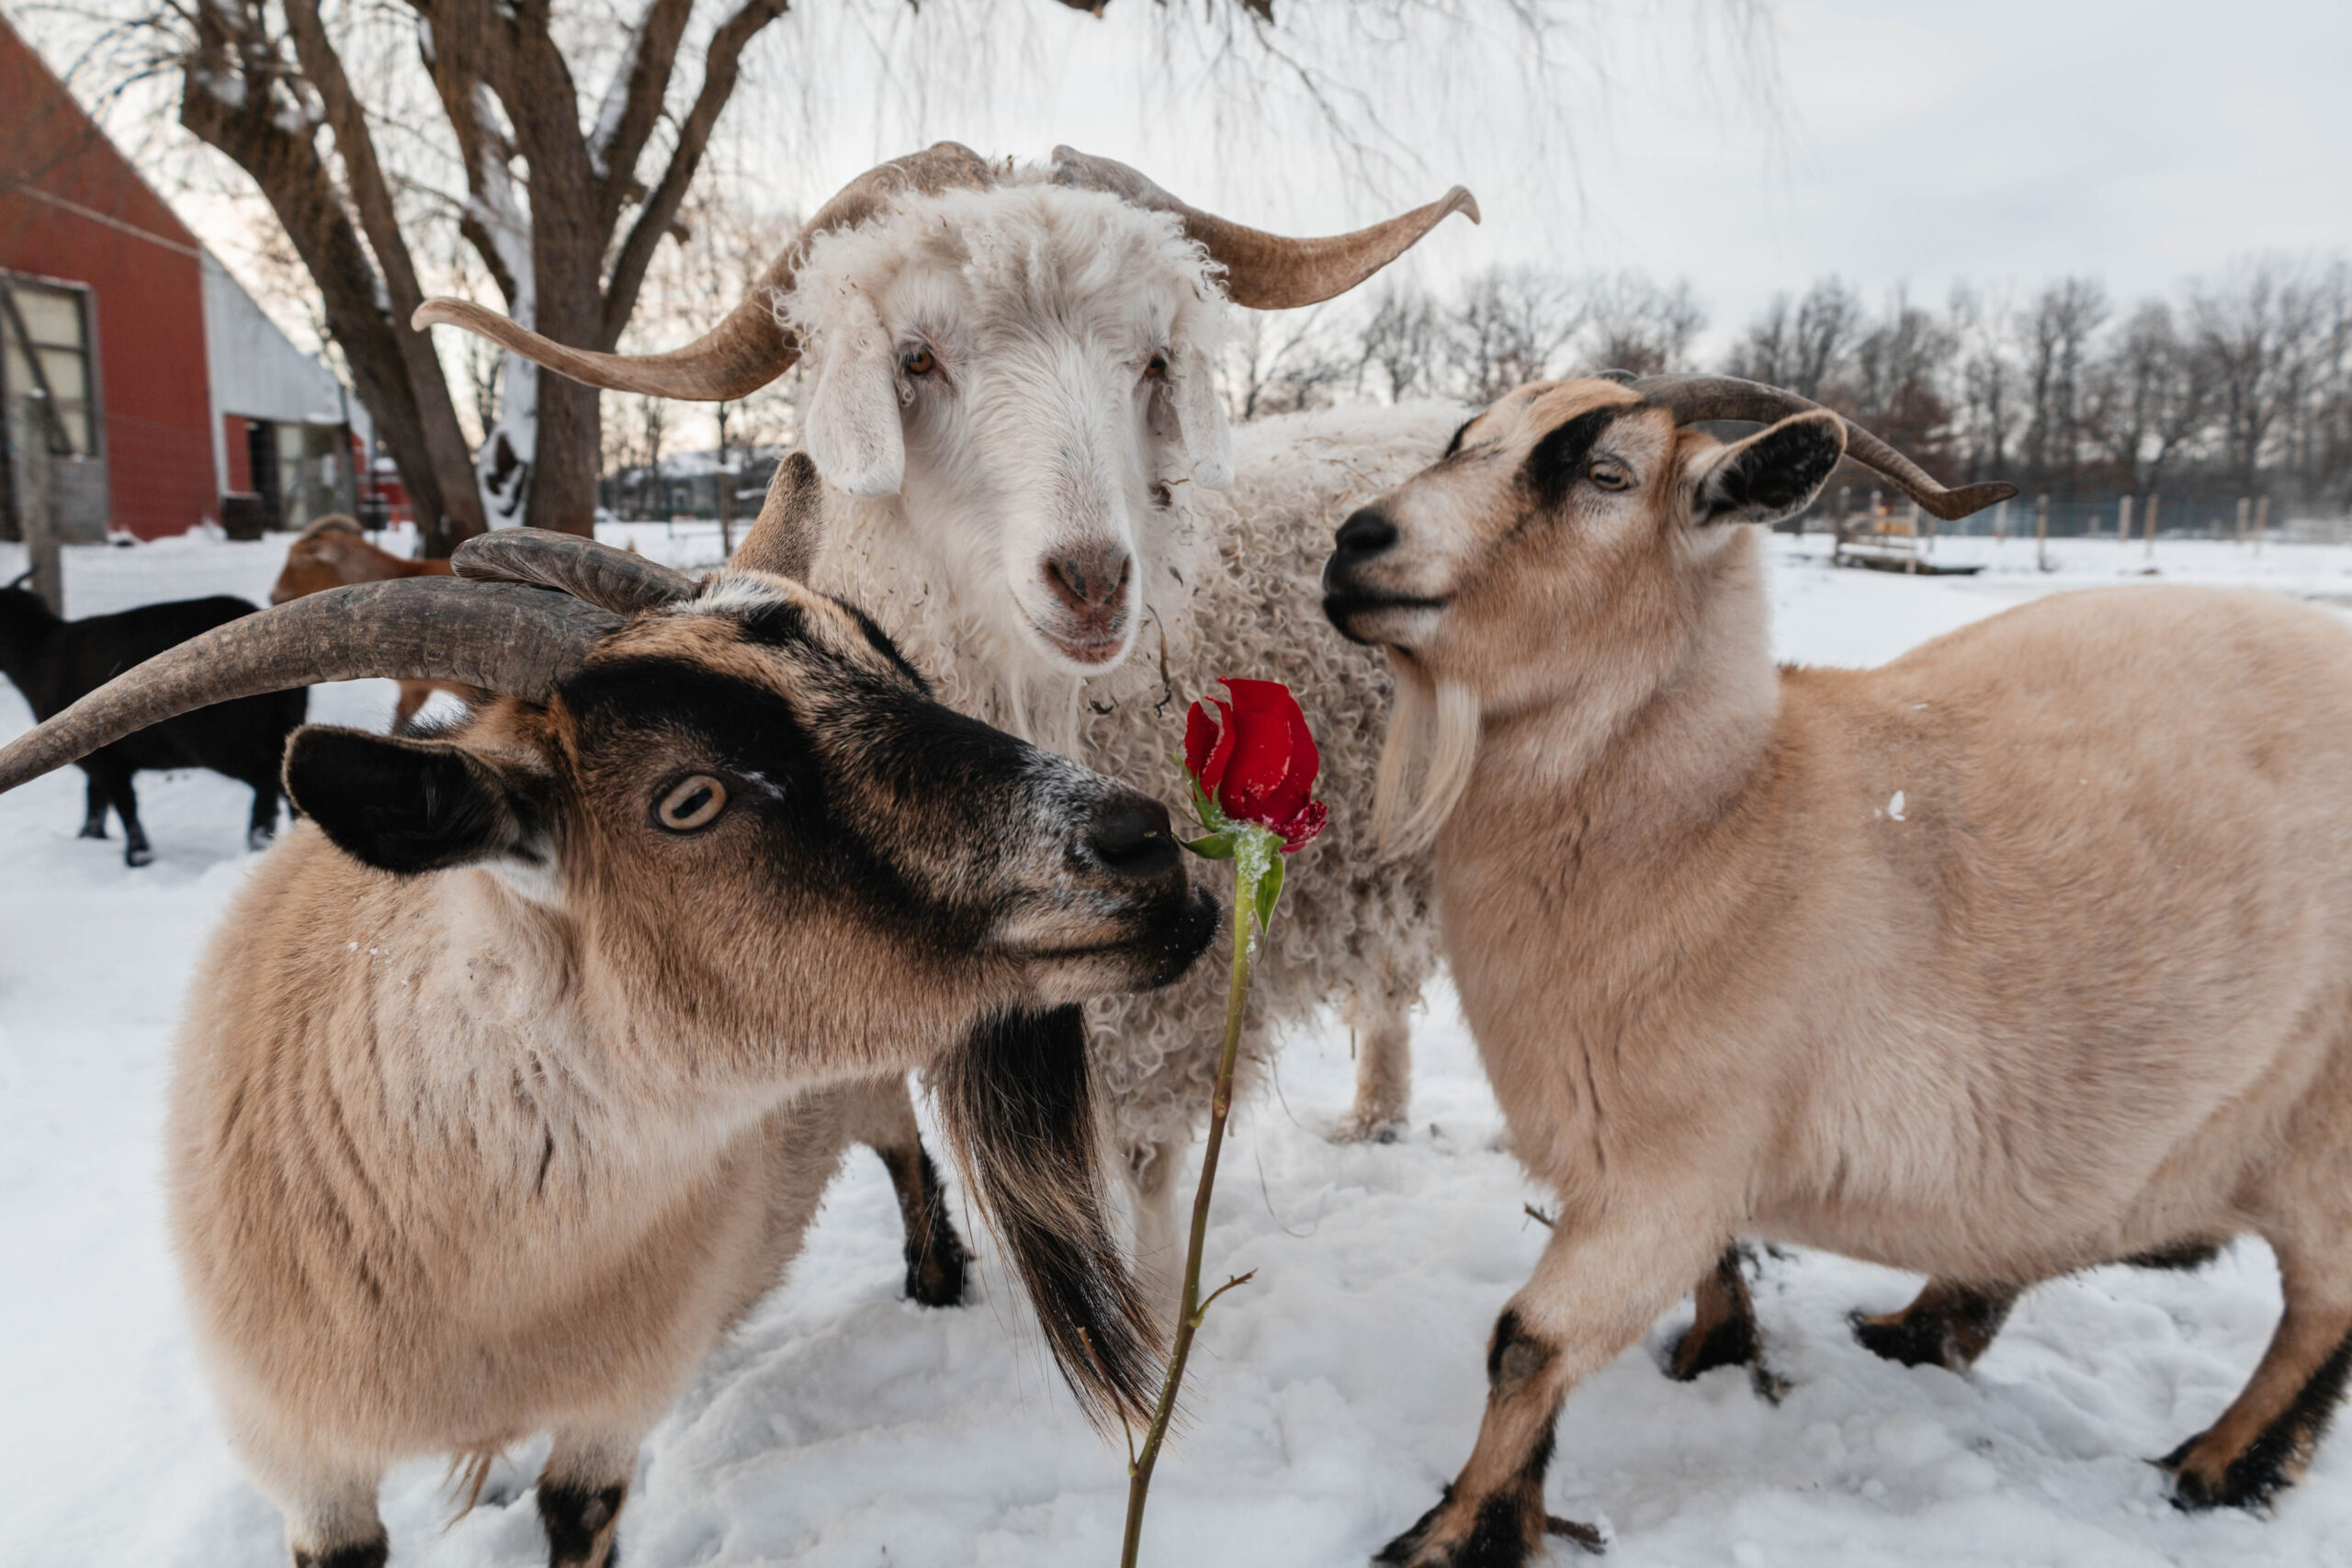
{"x": 610, "y": 578}
{"x": 749, "y": 348}
{"x": 506, "y": 637}
{"x": 1691, "y": 399}
{"x": 784, "y": 539}
{"x": 1262, "y": 271}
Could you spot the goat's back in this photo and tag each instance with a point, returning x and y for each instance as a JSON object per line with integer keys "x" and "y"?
{"x": 2077, "y": 880}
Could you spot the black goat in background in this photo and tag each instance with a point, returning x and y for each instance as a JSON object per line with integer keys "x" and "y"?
{"x": 54, "y": 662}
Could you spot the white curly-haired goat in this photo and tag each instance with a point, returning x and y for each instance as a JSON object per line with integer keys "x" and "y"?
{"x": 1028, "y": 478}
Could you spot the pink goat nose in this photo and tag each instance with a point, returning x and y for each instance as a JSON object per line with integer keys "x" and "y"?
{"x": 1090, "y": 579}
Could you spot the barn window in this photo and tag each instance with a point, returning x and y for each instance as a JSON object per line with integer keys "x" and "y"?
{"x": 47, "y": 330}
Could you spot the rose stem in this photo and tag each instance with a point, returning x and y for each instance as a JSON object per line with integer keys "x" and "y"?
{"x": 1188, "y": 1317}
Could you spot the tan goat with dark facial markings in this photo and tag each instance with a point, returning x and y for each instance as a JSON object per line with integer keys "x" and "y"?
{"x": 543, "y": 1039}
{"x": 2025, "y": 953}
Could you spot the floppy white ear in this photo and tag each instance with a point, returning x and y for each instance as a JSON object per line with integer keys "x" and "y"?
{"x": 1200, "y": 416}
{"x": 852, "y": 418}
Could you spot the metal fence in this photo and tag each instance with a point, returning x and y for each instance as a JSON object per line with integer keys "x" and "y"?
{"x": 2249, "y": 518}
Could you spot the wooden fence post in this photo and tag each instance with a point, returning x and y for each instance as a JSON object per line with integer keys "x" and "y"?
{"x": 2261, "y": 521}
{"x": 2041, "y": 532}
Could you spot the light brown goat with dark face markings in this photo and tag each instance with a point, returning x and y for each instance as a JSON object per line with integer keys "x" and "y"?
{"x": 2025, "y": 953}
{"x": 540, "y": 1042}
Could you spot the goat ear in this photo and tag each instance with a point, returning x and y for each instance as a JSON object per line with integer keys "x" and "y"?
{"x": 413, "y": 806}
{"x": 1772, "y": 474}
{"x": 1200, "y": 418}
{"x": 853, "y": 419}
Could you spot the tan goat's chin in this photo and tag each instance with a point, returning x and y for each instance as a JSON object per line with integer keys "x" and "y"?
{"x": 1434, "y": 727}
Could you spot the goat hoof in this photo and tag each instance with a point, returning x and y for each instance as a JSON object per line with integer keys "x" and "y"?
{"x": 936, "y": 1278}
{"x": 1891, "y": 1338}
{"x": 1373, "y": 1127}
{"x": 1506, "y": 1531}
{"x": 92, "y": 830}
{"x": 1731, "y": 1343}
{"x": 137, "y": 854}
{"x": 2200, "y": 1485}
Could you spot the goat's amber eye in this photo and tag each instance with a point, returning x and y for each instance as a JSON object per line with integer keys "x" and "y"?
{"x": 1608, "y": 475}
{"x": 922, "y": 362}
{"x": 691, "y": 804}
{"x": 1158, "y": 369}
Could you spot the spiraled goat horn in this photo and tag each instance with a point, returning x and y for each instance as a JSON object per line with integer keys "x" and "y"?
{"x": 1262, "y": 271}
{"x": 749, "y": 348}
{"x": 506, "y": 637}
{"x": 1691, "y": 399}
{"x": 612, "y": 580}
{"x": 784, "y": 539}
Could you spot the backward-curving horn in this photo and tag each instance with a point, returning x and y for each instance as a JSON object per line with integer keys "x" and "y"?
{"x": 615, "y": 579}
{"x": 784, "y": 539}
{"x": 1262, "y": 271}
{"x": 751, "y": 348}
{"x": 1691, "y": 399}
{"x": 506, "y": 637}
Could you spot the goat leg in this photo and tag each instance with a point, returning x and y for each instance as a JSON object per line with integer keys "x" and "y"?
{"x": 2263, "y": 1441}
{"x": 581, "y": 1489}
{"x": 1601, "y": 1282}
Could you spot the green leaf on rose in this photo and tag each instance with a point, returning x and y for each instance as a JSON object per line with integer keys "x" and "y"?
{"x": 1269, "y": 890}
{"x": 1216, "y": 846}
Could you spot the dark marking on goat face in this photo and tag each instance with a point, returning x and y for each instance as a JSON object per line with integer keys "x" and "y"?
{"x": 350, "y": 1555}
{"x": 1557, "y": 461}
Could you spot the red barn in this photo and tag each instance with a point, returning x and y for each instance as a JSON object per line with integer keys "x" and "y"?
{"x": 103, "y": 312}
{"x": 160, "y": 394}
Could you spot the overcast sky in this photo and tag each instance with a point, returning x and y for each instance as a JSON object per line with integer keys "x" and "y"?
{"x": 1897, "y": 142}
{"x": 1902, "y": 143}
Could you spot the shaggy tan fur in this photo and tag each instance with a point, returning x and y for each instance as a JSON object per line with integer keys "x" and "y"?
{"x": 502, "y": 1143}
{"x": 2024, "y": 953}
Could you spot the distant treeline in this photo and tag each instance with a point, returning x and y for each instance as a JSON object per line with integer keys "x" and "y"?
{"x": 2240, "y": 385}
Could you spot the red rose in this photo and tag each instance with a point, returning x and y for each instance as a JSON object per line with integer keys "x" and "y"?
{"x": 1254, "y": 756}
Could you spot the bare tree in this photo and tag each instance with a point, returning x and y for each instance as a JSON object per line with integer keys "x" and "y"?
{"x": 1404, "y": 339}
{"x": 1801, "y": 346}
{"x": 1632, "y": 324}
{"x": 561, "y": 150}
{"x": 1510, "y": 325}
{"x": 2058, "y": 328}
{"x": 1281, "y": 364}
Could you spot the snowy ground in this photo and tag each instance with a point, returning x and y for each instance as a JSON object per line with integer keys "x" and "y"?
{"x": 1332, "y": 1396}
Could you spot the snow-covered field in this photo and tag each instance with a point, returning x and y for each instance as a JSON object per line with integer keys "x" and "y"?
{"x": 1332, "y": 1397}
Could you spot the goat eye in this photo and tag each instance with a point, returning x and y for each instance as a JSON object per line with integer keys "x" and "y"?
{"x": 691, "y": 804}
{"x": 922, "y": 362}
{"x": 1608, "y": 475}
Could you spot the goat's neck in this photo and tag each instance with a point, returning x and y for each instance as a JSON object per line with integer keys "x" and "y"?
{"x": 1631, "y": 767}
{"x": 514, "y": 1064}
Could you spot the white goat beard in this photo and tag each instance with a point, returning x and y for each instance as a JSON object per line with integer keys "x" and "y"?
{"x": 1436, "y": 721}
